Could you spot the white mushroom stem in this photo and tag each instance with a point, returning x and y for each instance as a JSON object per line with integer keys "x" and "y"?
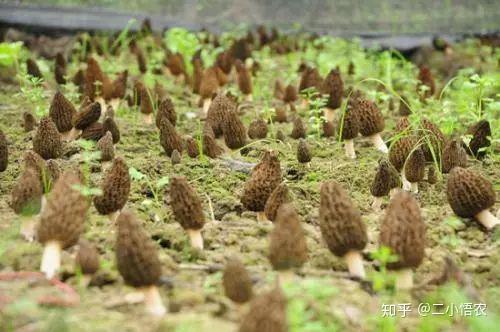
{"x": 113, "y": 216}
{"x": 206, "y": 105}
{"x": 74, "y": 134}
{"x": 406, "y": 183}
{"x": 195, "y": 238}
{"x": 377, "y": 203}
{"x": 147, "y": 118}
{"x": 261, "y": 216}
{"x": 286, "y": 276}
{"x": 115, "y": 102}
{"x": 354, "y": 262}
{"x": 153, "y": 302}
{"x": 487, "y": 219}
{"x": 414, "y": 187}
{"x": 51, "y": 259}
{"x": 249, "y": 98}
{"x": 102, "y": 102}
{"x": 43, "y": 203}
{"x": 329, "y": 114}
{"x": 85, "y": 280}
{"x": 404, "y": 279}
{"x": 393, "y": 192}
{"x": 378, "y": 142}
{"x": 349, "y": 148}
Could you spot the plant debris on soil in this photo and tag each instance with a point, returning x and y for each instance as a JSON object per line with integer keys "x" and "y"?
{"x": 151, "y": 161}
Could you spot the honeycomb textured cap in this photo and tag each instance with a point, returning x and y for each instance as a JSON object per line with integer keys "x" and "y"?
{"x": 61, "y": 112}
{"x": 481, "y": 135}
{"x": 210, "y": 146}
{"x": 234, "y": 131}
{"x": 340, "y": 221}
{"x": 334, "y": 87}
{"x": 29, "y": 121}
{"x": 119, "y": 85}
{"x": 280, "y": 114}
{"x": 27, "y": 193}
{"x": 425, "y": 78}
{"x": 136, "y": 255}
{"x": 4, "y": 152}
{"x": 310, "y": 78}
{"x": 87, "y": 258}
{"x": 265, "y": 177}
{"x": 170, "y": 140}
{"x": 209, "y": 83}
{"x": 63, "y": 218}
{"x": 87, "y": 116}
{"x": 115, "y": 188}
{"x": 469, "y": 192}
{"x": 453, "y": 155}
{"x": 288, "y": 247}
{"x": 381, "y": 182}
{"x": 47, "y": 141}
{"x": 267, "y": 313}
{"x": 146, "y": 102}
{"x": 93, "y": 74}
{"x": 415, "y": 166}
{"x": 371, "y": 120}
{"x": 217, "y": 111}
{"x": 93, "y": 132}
{"x": 105, "y": 146}
{"x": 110, "y": 125}
{"x": 290, "y": 94}
{"x": 257, "y": 129}
{"x": 400, "y": 150}
{"x": 403, "y": 231}
{"x": 166, "y": 110}
{"x": 186, "y": 204}
{"x": 404, "y": 106}
{"x": 402, "y": 124}
{"x": 299, "y": 128}
{"x": 278, "y": 197}
{"x": 303, "y": 152}
{"x": 350, "y": 126}
{"x": 236, "y": 281}
{"x": 192, "y": 147}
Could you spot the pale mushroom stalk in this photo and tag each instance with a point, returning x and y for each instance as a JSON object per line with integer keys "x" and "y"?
{"x": 349, "y": 148}
{"x": 153, "y": 302}
{"x": 249, "y": 98}
{"x": 115, "y": 102}
{"x": 487, "y": 219}
{"x": 206, "y": 105}
{"x": 51, "y": 259}
{"x": 329, "y": 114}
{"x": 414, "y": 187}
{"x": 404, "y": 279}
{"x": 377, "y": 203}
{"x": 354, "y": 262}
{"x": 102, "y": 102}
{"x": 113, "y": 216}
{"x": 147, "y": 118}
{"x": 378, "y": 142}
{"x": 393, "y": 192}
{"x": 261, "y": 216}
{"x": 286, "y": 276}
{"x": 74, "y": 134}
{"x": 406, "y": 183}
{"x": 195, "y": 238}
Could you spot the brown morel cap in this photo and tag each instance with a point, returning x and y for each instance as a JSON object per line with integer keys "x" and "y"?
{"x": 166, "y": 110}
{"x": 59, "y": 74}
{"x": 469, "y": 192}
{"x": 60, "y": 60}
{"x": 197, "y": 75}
{"x": 431, "y": 133}
{"x": 334, "y": 87}
{"x": 176, "y": 157}
{"x": 280, "y": 114}
{"x": 32, "y": 68}
{"x": 236, "y": 281}
{"x": 141, "y": 61}
{"x": 381, "y": 182}
{"x": 47, "y": 141}
{"x": 4, "y": 152}
{"x": 209, "y": 83}
{"x": 400, "y": 150}
{"x": 244, "y": 78}
{"x": 415, "y": 166}
{"x": 453, "y": 155}
{"x": 257, "y": 129}
{"x": 404, "y": 110}
{"x": 176, "y": 64}
{"x": 192, "y": 147}
{"x": 425, "y": 78}
{"x": 119, "y": 85}
{"x": 288, "y": 247}
{"x": 328, "y": 129}
{"x": 221, "y": 76}
{"x": 290, "y": 94}
{"x": 299, "y": 128}
{"x": 303, "y": 152}
{"x": 278, "y": 197}
{"x": 93, "y": 74}
{"x": 63, "y": 218}
{"x": 481, "y": 135}
{"x": 87, "y": 116}
{"x": 27, "y": 193}
{"x": 146, "y": 102}
{"x": 402, "y": 124}
{"x": 265, "y": 177}
{"x": 61, "y": 112}
{"x": 217, "y": 111}
{"x": 110, "y": 125}
{"x": 350, "y": 125}
{"x": 84, "y": 103}
{"x": 210, "y": 146}
{"x": 234, "y": 131}
{"x": 371, "y": 120}
{"x": 186, "y": 204}
{"x": 310, "y": 78}
{"x": 105, "y": 146}
{"x": 79, "y": 80}
{"x": 267, "y": 313}
{"x": 29, "y": 121}
{"x": 94, "y": 132}
{"x": 136, "y": 255}
{"x": 87, "y": 258}
{"x": 340, "y": 221}
{"x": 115, "y": 188}
{"x": 170, "y": 140}
{"x": 403, "y": 231}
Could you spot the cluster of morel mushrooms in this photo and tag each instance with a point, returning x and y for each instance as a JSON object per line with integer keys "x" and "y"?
{"x": 58, "y": 216}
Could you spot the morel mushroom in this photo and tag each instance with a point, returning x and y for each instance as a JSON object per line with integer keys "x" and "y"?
{"x": 414, "y": 169}
{"x": 403, "y": 231}
{"x": 371, "y": 122}
{"x": 278, "y": 197}
{"x": 288, "y": 247}
{"x": 32, "y": 68}
{"x": 426, "y": 80}
{"x": 4, "y": 152}
{"x": 87, "y": 261}
{"x": 334, "y": 87}
{"x": 236, "y": 281}
{"x": 431, "y": 175}
{"x": 257, "y": 129}
{"x": 265, "y": 177}
{"x": 107, "y": 149}
{"x": 290, "y": 94}
{"x": 94, "y": 132}
{"x": 267, "y": 313}
{"x": 110, "y": 125}
{"x": 217, "y": 112}
{"x": 115, "y": 190}
{"x": 481, "y": 135}
{"x": 210, "y": 146}
{"x": 187, "y": 209}
{"x": 47, "y": 141}
{"x": 166, "y": 110}
{"x": 453, "y": 155}
{"x": 88, "y": 114}
{"x": 26, "y": 195}
{"x": 29, "y": 121}
{"x": 349, "y": 131}
{"x": 471, "y": 195}
{"x": 342, "y": 227}
{"x": 433, "y": 139}
{"x": 299, "y": 128}
{"x": 61, "y": 112}
{"x": 175, "y": 157}
{"x": 170, "y": 140}
{"x": 208, "y": 86}
{"x": 399, "y": 152}
{"x": 137, "y": 261}
{"x": 146, "y": 106}
{"x": 381, "y": 184}
{"x": 234, "y": 131}
{"x": 61, "y": 221}
{"x": 244, "y": 80}
{"x": 192, "y": 148}
{"x": 304, "y": 155}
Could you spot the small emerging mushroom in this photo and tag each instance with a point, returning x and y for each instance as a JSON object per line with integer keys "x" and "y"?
{"x": 210, "y": 146}
{"x": 267, "y": 313}
{"x": 342, "y": 227}
{"x": 481, "y": 138}
{"x": 32, "y": 68}
{"x": 304, "y": 155}
{"x": 257, "y": 129}
{"x": 431, "y": 175}
{"x": 187, "y": 208}
{"x": 236, "y": 281}
{"x": 403, "y": 231}
{"x": 471, "y": 195}
{"x": 29, "y": 121}
{"x": 380, "y": 186}
{"x": 453, "y": 155}
{"x": 166, "y": 109}
{"x": 4, "y": 152}
{"x": 47, "y": 141}
{"x": 414, "y": 169}
{"x": 217, "y": 113}
{"x": 299, "y": 128}
{"x": 137, "y": 261}
{"x": 146, "y": 106}
{"x": 278, "y": 197}
{"x": 192, "y": 148}
{"x": 290, "y": 94}
{"x": 175, "y": 157}
{"x": 244, "y": 80}
{"x": 61, "y": 221}
{"x": 105, "y": 146}
{"x": 235, "y": 133}
{"x": 87, "y": 260}
{"x": 110, "y": 125}
{"x": 170, "y": 140}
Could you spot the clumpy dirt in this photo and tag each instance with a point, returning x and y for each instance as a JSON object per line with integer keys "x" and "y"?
{"x": 191, "y": 282}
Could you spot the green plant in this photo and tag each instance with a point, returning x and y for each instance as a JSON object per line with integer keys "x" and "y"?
{"x": 382, "y": 280}
{"x": 32, "y": 93}
{"x": 180, "y": 40}
{"x": 88, "y": 155}
{"x": 316, "y": 102}
{"x": 154, "y": 187}
{"x": 10, "y": 53}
